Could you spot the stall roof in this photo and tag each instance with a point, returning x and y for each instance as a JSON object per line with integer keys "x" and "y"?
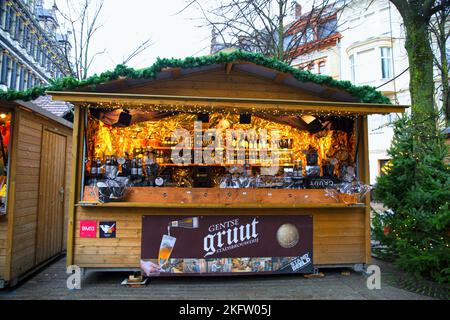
{"x": 36, "y": 109}
{"x": 111, "y": 82}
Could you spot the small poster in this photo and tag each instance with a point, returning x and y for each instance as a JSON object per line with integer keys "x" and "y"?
{"x": 107, "y": 229}
{"x": 88, "y": 229}
{"x": 224, "y": 245}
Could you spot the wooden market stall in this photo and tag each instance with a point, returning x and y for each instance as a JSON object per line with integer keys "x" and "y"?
{"x": 203, "y": 216}
{"x": 35, "y": 164}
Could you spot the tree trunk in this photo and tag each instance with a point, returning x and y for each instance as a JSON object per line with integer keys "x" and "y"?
{"x": 280, "y": 30}
{"x": 420, "y": 58}
{"x": 444, "y": 72}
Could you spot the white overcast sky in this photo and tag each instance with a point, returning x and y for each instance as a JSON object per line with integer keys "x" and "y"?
{"x": 127, "y": 22}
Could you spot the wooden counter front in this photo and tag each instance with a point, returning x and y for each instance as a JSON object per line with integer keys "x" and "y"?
{"x": 338, "y": 233}
{"x": 215, "y": 197}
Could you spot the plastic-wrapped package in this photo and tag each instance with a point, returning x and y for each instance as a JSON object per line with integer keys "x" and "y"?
{"x": 348, "y": 192}
{"x": 113, "y": 190}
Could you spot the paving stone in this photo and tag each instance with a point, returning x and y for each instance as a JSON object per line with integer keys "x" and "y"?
{"x": 51, "y": 284}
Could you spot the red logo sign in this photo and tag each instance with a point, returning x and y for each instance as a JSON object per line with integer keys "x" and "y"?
{"x": 88, "y": 229}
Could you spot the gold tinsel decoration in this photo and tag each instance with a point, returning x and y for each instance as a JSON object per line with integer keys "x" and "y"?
{"x": 106, "y": 140}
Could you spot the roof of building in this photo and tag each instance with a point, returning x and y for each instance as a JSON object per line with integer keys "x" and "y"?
{"x": 58, "y": 108}
{"x": 250, "y": 62}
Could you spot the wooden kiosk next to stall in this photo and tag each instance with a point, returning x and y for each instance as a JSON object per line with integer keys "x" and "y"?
{"x": 33, "y": 222}
{"x": 340, "y": 231}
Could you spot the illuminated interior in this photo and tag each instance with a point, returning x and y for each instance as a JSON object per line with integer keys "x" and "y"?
{"x": 332, "y": 138}
{"x": 5, "y": 135}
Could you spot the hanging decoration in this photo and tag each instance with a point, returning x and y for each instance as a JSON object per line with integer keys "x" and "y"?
{"x": 365, "y": 94}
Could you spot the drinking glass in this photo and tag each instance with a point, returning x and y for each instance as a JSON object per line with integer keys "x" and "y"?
{"x": 165, "y": 249}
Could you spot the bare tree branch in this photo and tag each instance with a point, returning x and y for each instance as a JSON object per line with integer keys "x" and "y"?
{"x": 138, "y": 50}
{"x": 262, "y": 25}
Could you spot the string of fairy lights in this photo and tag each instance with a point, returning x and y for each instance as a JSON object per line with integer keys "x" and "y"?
{"x": 208, "y": 108}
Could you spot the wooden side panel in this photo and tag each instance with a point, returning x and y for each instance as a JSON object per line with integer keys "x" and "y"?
{"x": 27, "y": 183}
{"x": 26, "y": 197}
{"x": 51, "y": 197}
{"x": 217, "y": 83}
{"x": 3, "y": 236}
{"x": 338, "y": 234}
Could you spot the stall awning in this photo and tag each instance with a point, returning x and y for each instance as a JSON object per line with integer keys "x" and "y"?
{"x": 227, "y": 104}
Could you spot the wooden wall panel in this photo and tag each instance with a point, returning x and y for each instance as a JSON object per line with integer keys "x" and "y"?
{"x": 338, "y": 234}
{"x": 3, "y": 234}
{"x": 51, "y": 202}
{"x": 27, "y": 179}
{"x": 217, "y": 83}
{"x": 27, "y": 189}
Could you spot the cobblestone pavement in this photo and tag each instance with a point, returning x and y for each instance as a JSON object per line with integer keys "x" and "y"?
{"x": 51, "y": 284}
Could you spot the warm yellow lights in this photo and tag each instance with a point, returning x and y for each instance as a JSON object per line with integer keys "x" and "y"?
{"x": 106, "y": 140}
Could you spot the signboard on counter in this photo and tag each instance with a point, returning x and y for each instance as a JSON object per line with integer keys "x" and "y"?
{"x": 226, "y": 244}
{"x": 88, "y": 228}
{"x": 107, "y": 229}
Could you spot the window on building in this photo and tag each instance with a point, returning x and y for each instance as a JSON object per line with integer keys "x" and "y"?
{"x": 4, "y": 75}
{"x": 287, "y": 41}
{"x": 311, "y": 67}
{"x": 20, "y": 33}
{"x": 363, "y": 67}
{"x": 308, "y": 35}
{"x": 13, "y": 78}
{"x": 323, "y": 68}
{"x": 12, "y": 27}
{"x": 383, "y": 165}
{"x": 8, "y": 18}
{"x": 29, "y": 80}
{"x": 2, "y": 13}
{"x": 22, "y": 78}
{"x": 327, "y": 28}
{"x": 386, "y": 63}
{"x": 352, "y": 68}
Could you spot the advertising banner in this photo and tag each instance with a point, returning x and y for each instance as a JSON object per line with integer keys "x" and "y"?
{"x": 226, "y": 244}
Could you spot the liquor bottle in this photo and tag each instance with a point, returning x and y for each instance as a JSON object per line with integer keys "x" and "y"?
{"x": 99, "y": 168}
{"x": 93, "y": 170}
{"x": 134, "y": 169}
{"x": 298, "y": 169}
{"x": 107, "y": 166}
{"x": 139, "y": 169}
{"x": 189, "y": 223}
{"x": 114, "y": 166}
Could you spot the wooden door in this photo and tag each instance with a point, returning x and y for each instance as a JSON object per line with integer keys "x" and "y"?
{"x": 50, "y": 221}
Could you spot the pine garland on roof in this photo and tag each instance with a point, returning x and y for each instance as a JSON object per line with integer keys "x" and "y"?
{"x": 365, "y": 94}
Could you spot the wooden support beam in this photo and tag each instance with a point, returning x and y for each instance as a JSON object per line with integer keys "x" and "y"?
{"x": 226, "y": 103}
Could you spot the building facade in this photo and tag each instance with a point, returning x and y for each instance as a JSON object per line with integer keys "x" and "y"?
{"x": 31, "y": 50}
{"x": 370, "y": 50}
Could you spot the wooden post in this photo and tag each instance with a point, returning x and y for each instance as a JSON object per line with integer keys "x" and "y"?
{"x": 365, "y": 177}
{"x": 73, "y": 183}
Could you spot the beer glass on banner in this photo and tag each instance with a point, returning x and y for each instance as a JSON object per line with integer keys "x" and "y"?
{"x": 165, "y": 249}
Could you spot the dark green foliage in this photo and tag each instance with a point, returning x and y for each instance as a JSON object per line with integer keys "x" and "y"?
{"x": 416, "y": 189}
{"x": 363, "y": 93}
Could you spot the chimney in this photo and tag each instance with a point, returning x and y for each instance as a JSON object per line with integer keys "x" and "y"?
{"x": 298, "y": 10}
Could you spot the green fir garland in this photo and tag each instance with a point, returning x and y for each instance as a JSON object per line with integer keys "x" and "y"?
{"x": 365, "y": 94}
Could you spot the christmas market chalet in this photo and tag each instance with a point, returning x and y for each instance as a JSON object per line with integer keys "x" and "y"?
{"x": 225, "y": 164}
